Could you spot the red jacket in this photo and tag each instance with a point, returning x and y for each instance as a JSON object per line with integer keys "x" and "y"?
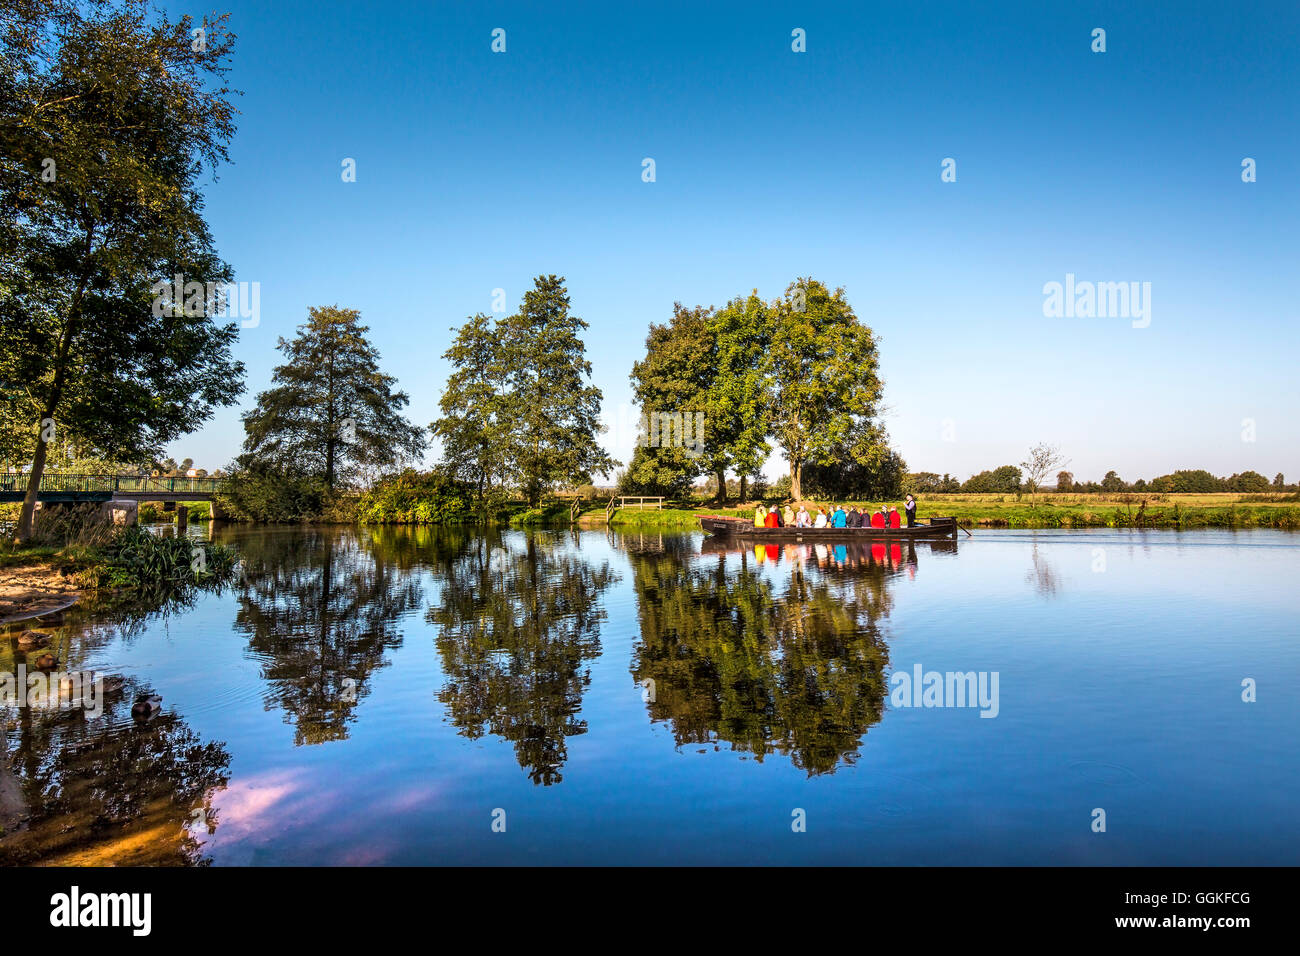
{"x": 895, "y": 521}
{"x": 877, "y": 520}
{"x": 770, "y": 520}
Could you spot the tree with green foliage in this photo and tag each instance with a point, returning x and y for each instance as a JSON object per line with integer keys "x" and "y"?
{"x": 923, "y": 482}
{"x": 1112, "y": 483}
{"x": 108, "y": 117}
{"x": 882, "y": 475}
{"x": 710, "y": 364}
{"x": 1192, "y": 481}
{"x": 1251, "y": 482}
{"x": 330, "y": 412}
{"x": 473, "y": 428}
{"x": 738, "y": 415}
{"x": 671, "y": 386}
{"x": 551, "y": 410}
{"x": 1003, "y": 480}
{"x": 826, "y": 390}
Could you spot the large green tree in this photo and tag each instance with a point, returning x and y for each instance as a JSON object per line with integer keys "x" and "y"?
{"x": 671, "y": 386}
{"x": 473, "y": 426}
{"x": 825, "y": 381}
{"x": 331, "y": 412}
{"x": 739, "y": 396}
{"x": 707, "y": 363}
{"x": 109, "y": 115}
{"x": 552, "y": 409}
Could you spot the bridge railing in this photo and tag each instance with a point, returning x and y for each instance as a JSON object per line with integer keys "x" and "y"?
{"x": 134, "y": 484}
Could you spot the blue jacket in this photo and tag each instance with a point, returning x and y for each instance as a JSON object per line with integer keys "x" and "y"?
{"x": 840, "y": 519}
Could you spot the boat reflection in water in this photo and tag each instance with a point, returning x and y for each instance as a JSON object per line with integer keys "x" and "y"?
{"x": 768, "y": 648}
{"x": 889, "y": 554}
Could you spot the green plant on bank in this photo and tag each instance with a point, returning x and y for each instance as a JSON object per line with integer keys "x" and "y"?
{"x": 546, "y": 514}
{"x": 665, "y": 519}
{"x": 137, "y": 558}
{"x": 413, "y": 497}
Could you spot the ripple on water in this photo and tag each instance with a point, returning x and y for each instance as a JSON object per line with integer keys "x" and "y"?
{"x": 1097, "y": 771}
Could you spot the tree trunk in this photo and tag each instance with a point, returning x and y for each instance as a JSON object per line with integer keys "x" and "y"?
{"x": 722, "y": 486}
{"x": 28, "y": 516}
{"x": 796, "y": 480}
{"x": 329, "y": 464}
{"x": 744, "y": 488}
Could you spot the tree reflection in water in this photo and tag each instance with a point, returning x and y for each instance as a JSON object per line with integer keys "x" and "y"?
{"x": 321, "y": 607}
{"x": 106, "y": 791}
{"x": 770, "y": 649}
{"x": 518, "y": 618}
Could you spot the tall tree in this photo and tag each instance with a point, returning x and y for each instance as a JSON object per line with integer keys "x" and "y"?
{"x": 472, "y": 428}
{"x": 331, "y": 412}
{"x": 109, "y": 115}
{"x": 739, "y": 394}
{"x": 711, "y": 364}
{"x": 824, "y": 375}
{"x": 671, "y": 385}
{"x": 553, "y": 411}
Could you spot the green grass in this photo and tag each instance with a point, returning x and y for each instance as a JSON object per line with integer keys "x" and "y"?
{"x": 663, "y": 519}
{"x": 1009, "y": 511}
{"x": 19, "y": 557}
{"x": 1113, "y": 511}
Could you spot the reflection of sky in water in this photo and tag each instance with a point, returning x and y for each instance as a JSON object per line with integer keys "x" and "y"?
{"x": 1120, "y": 688}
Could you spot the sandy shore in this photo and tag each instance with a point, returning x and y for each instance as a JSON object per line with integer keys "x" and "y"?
{"x": 32, "y": 590}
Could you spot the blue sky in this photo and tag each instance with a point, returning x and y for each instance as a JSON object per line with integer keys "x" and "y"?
{"x": 478, "y": 171}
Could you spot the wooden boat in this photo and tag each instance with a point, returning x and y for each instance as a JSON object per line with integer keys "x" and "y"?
{"x": 743, "y": 528}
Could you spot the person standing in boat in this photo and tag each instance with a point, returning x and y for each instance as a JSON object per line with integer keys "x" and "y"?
{"x": 910, "y": 508}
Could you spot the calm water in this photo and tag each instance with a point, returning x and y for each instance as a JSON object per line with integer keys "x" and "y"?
{"x": 374, "y": 697}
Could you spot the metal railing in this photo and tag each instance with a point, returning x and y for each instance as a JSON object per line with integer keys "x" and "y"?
{"x": 131, "y": 484}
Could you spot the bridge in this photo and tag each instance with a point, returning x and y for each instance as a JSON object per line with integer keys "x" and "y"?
{"x": 67, "y": 489}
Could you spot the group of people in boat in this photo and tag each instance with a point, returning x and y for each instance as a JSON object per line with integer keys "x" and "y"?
{"x": 837, "y": 518}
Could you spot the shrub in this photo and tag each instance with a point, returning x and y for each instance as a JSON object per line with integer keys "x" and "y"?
{"x": 414, "y": 497}
{"x": 264, "y": 494}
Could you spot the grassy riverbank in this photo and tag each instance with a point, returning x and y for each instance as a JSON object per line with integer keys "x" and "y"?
{"x": 1007, "y": 511}
{"x": 45, "y": 577}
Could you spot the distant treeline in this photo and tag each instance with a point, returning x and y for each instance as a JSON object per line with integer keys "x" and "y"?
{"x": 1008, "y": 480}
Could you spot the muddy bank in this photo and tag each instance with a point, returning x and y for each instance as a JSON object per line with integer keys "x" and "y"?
{"x": 12, "y": 808}
{"x": 32, "y": 590}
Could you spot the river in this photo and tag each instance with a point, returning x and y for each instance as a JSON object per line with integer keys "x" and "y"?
{"x": 417, "y": 695}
